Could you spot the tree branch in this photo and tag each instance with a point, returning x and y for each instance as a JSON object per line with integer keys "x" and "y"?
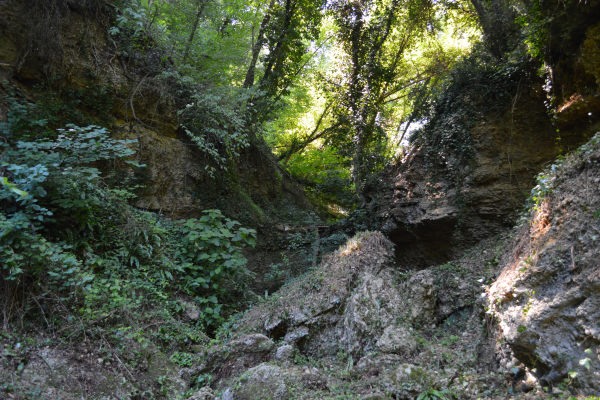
{"x": 309, "y": 139}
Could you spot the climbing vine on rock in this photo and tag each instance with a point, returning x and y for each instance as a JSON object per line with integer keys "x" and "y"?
{"x": 476, "y": 87}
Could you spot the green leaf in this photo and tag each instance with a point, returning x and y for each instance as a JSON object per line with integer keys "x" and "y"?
{"x": 585, "y": 362}
{"x": 573, "y": 374}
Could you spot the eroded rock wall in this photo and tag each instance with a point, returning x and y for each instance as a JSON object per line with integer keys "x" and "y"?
{"x": 176, "y": 179}
{"x": 430, "y": 221}
{"x": 547, "y": 299}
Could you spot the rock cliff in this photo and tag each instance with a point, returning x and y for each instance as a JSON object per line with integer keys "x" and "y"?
{"x": 67, "y": 48}
{"x": 431, "y": 219}
{"x": 546, "y": 300}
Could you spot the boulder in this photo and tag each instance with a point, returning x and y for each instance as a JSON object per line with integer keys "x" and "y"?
{"x": 205, "y": 393}
{"x": 284, "y": 353}
{"x": 408, "y": 381}
{"x": 191, "y": 311}
{"x": 261, "y": 382}
{"x": 396, "y": 339}
{"x": 422, "y": 297}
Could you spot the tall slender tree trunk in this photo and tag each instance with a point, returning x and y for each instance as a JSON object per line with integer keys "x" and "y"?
{"x": 201, "y": 6}
{"x": 275, "y": 56}
{"x": 249, "y": 81}
{"x": 357, "y": 164}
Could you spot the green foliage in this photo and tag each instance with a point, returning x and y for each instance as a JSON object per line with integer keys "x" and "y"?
{"x": 131, "y": 18}
{"x": 546, "y": 179}
{"x": 433, "y": 394}
{"x": 85, "y": 254}
{"x": 327, "y": 179}
{"x": 279, "y": 272}
{"x": 50, "y": 175}
{"x": 211, "y": 252}
{"x": 89, "y": 105}
{"x": 182, "y": 359}
{"x": 371, "y": 56}
{"x": 535, "y": 27}
{"x": 296, "y": 56}
{"x": 215, "y": 120}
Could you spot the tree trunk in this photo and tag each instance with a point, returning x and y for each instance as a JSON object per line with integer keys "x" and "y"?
{"x": 196, "y": 22}
{"x": 289, "y": 13}
{"x": 249, "y": 81}
{"x": 492, "y": 30}
{"x": 357, "y": 165}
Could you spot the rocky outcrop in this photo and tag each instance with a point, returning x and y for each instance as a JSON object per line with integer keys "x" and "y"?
{"x": 231, "y": 358}
{"x": 261, "y": 382}
{"x": 356, "y": 322}
{"x": 547, "y": 299}
{"x": 431, "y": 221}
{"x": 423, "y": 218}
{"x": 38, "y": 43}
{"x": 344, "y": 304}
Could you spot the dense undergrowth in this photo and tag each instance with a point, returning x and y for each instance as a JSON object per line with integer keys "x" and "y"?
{"x": 77, "y": 259}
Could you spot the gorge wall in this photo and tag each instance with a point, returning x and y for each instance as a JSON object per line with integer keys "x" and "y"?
{"x": 68, "y": 49}
{"x": 431, "y": 221}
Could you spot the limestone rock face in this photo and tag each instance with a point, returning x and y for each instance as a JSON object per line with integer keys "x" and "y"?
{"x": 547, "y": 298}
{"x": 247, "y": 350}
{"x": 346, "y": 303}
{"x": 407, "y": 381}
{"x": 396, "y": 339}
{"x": 261, "y": 382}
{"x": 421, "y": 286}
{"x": 355, "y": 303}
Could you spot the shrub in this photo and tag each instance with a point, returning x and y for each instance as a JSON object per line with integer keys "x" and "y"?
{"x": 74, "y": 253}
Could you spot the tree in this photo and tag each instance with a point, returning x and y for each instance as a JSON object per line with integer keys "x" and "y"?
{"x": 286, "y": 31}
{"x": 200, "y": 5}
{"x": 498, "y": 24}
{"x": 373, "y": 38}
